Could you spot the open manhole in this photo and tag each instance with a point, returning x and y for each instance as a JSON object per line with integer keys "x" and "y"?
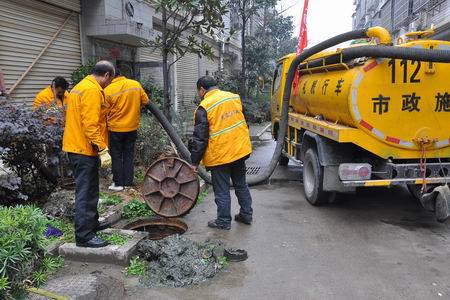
{"x": 157, "y": 227}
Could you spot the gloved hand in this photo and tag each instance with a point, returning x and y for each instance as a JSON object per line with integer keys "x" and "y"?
{"x": 105, "y": 158}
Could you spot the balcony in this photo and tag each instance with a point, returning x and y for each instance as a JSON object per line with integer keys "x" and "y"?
{"x": 125, "y": 22}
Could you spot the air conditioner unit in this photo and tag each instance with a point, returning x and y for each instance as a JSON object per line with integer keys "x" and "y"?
{"x": 413, "y": 26}
{"x": 424, "y": 19}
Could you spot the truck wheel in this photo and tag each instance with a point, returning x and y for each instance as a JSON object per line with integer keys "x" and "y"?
{"x": 416, "y": 189}
{"x": 284, "y": 161}
{"x": 313, "y": 179}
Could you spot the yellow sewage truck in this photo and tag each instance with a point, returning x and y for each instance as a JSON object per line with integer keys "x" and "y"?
{"x": 366, "y": 122}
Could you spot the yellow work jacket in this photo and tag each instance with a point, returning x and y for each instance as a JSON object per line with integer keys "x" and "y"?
{"x": 46, "y": 97}
{"x": 229, "y": 137}
{"x": 85, "y": 118}
{"x": 125, "y": 98}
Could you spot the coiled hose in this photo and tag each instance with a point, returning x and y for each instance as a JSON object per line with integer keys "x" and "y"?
{"x": 363, "y": 51}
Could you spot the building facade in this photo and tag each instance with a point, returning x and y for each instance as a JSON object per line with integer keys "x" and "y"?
{"x": 402, "y": 16}
{"x": 38, "y": 41}
{"x": 41, "y": 39}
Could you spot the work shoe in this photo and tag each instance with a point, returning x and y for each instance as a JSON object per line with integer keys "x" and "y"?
{"x": 115, "y": 188}
{"x": 215, "y": 225}
{"x": 241, "y": 219}
{"x": 95, "y": 242}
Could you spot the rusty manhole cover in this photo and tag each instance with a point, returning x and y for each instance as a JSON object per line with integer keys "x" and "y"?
{"x": 170, "y": 187}
{"x": 157, "y": 227}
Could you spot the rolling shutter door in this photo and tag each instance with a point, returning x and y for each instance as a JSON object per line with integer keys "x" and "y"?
{"x": 187, "y": 76}
{"x": 73, "y": 5}
{"x": 25, "y": 29}
{"x": 150, "y": 61}
{"x": 209, "y": 67}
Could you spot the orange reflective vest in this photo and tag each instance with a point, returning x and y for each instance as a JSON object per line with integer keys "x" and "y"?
{"x": 229, "y": 137}
{"x": 46, "y": 97}
{"x": 125, "y": 97}
{"x": 85, "y": 118}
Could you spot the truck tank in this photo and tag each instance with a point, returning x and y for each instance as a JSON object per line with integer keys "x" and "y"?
{"x": 403, "y": 103}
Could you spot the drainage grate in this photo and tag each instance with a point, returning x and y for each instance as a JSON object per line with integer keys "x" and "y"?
{"x": 253, "y": 170}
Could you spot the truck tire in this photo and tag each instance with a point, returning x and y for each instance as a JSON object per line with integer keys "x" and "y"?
{"x": 416, "y": 189}
{"x": 313, "y": 179}
{"x": 284, "y": 161}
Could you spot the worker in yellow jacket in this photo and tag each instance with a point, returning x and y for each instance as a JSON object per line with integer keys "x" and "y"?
{"x": 87, "y": 149}
{"x": 125, "y": 99}
{"x": 54, "y": 94}
{"x": 221, "y": 140}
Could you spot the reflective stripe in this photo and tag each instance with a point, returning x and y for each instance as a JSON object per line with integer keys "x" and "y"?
{"x": 222, "y": 101}
{"x": 226, "y": 129}
{"x": 76, "y": 92}
{"x": 124, "y": 91}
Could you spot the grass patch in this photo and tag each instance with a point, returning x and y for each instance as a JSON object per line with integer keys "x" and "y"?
{"x": 136, "y": 209}
{"x": 66, "y": 227}
{"x": 139, "y": 176}
{"x": 107, "y": 200}
{"x": 201, "y": 197}
{"x": 137, "y": 267}
{"x": 222, "y": 261}
{"x": 115, "y": 238}
{"x": 110, "y": 200}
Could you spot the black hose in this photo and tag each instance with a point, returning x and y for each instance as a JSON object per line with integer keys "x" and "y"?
{"x": 349, "y": 53}
{"x": 261, "y": 178}
{"x": 357, "y": 34}
{"x": 176, "y": 139}
{"x": 417, "y": 54}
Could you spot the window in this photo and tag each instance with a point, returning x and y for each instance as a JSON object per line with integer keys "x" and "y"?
{"x": 277, "y": 77}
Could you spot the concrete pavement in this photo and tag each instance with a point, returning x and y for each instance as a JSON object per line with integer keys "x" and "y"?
{"x": 378, "y": 244}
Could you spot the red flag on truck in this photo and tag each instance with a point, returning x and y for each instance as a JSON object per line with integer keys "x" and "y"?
{"x": 302, "y": 43}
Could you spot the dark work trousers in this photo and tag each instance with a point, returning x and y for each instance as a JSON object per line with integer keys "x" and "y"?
{"x": 85, "y": 169}
{"x": 220, "y": 176}
{"x": 121, "y": 148}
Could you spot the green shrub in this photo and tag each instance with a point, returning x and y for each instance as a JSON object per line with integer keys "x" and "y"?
{"x": 30, "y": 149}
{"x": 107, "y": 200}
{"x": 139, "y": 175}
{"x": 222, "y": 261}
{"x": 201, "y": 197}
{"x": 22, "y": 246}
{"x": 48, "y": 266}
{"x": 110, "y": 200}
{"x": 136, "y": 209}
{"x": 137, "y": 267}
{"x": 257, "y": 109}
{"x": 154, "y": 92}
{"x": 81, "y": 72}
{"x": 151, "y": 141}
{"x": 229, "y": 82}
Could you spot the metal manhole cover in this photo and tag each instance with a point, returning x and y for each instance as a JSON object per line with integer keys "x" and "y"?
{"x": 170, "y": 187}
{"x": 253, "y": 170}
